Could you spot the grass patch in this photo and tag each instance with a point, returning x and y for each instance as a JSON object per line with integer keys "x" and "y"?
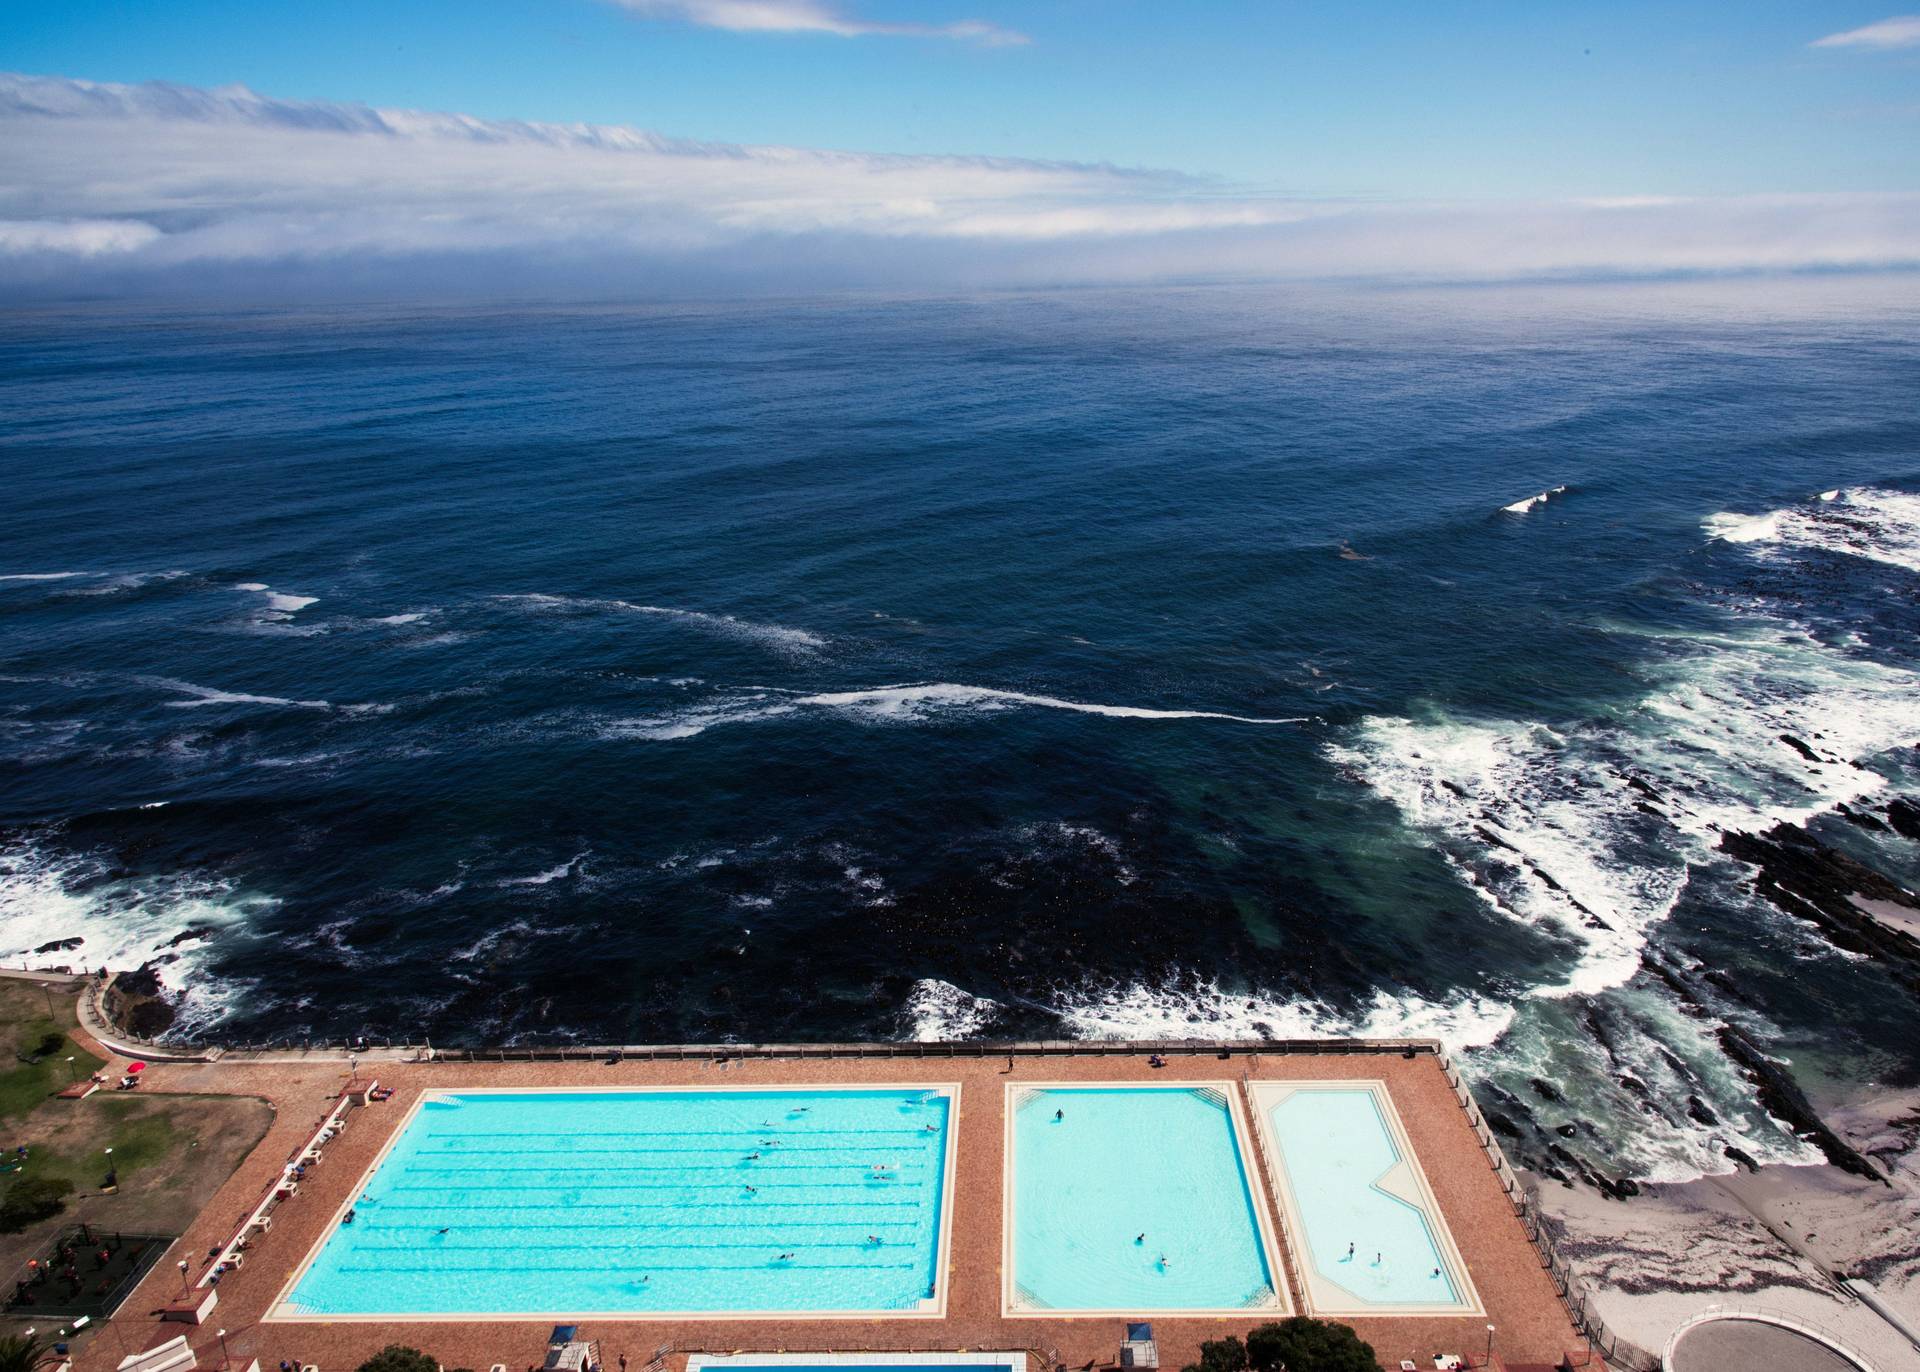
{"x": 24, "y": 1085}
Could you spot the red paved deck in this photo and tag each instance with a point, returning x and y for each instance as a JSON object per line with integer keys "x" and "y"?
{"x": 1519, "y": 1299}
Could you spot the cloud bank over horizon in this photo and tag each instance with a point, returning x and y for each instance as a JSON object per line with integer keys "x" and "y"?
{"x": 109, "y": 189}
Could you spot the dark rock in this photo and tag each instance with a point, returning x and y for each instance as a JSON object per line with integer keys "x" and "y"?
{"x": 1800, "y": 748}
{"x": 1862, "y": 819}
{"x": 1781, "y": 1096}
{"x": 1904, "y": 816}
{"x": 1815, "y": 883}
{"x": 1699, "y": 1112}
{"x": 1741, "y": 1157}
{"x": 1500, "y": 1124}
{"x": 1567, "y": 1131}
{"x": 59, "y": 945}
{"x": 1543, "y": 1089}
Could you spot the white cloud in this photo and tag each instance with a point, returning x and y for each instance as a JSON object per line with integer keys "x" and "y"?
{"x": 113, "y": 187}
{"x": 80, "y": 237}
{"x": 809, "y": 16}
{"x": 1901, "y": 31}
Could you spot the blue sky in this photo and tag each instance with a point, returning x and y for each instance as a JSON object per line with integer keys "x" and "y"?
{"x": 1407, "y": 98}
{"x": 696, "y": 145}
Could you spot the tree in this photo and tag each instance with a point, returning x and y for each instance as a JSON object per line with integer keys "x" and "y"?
{"x": 30, "y": 1200}
{"x": 18, "y": 1353}
{"x": 1221, "y": 1355}
{"x": 399, "y": 1358}
{"x": 1301, "y": 1344}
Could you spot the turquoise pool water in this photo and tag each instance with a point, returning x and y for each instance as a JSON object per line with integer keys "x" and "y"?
{"x": 1132, "y": 1200}
{"x": 565, "y": 1203}
{"x": 1336, "y": 1149}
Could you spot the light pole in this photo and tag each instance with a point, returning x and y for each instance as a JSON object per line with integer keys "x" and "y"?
{"x": 183, "y": 1276}
{"x": 353, "y": 1071}
{"x": 1489, "y": 1345}
{"x": 73, "y": 1073}
{"x": 48, "y": 992}
{"x": 221, "y": 1335}
{"x": 113, "y": 1177}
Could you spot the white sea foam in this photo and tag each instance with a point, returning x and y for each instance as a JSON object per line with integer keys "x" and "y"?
{"x": 904, "y": 704}
{"x": 1728, "y": 527}
{"x": 548, "y": 877}
{"x": 939, "y": 1012}
{"x": 1059, "y": 833}
{"x": 778, "y": 637}
{"x": 1870, "y": 522}
{"x": 45, "y": 576}
{"x": 129, "y": 581}
{"x": 1199, "y": 1007}
{"x": 1522, "y": 506}
{"x": 413, "y": 618}
{"x": 1546, "y": 827}
{"x": 200, "y": 696}
{"x": 48, "y": 894}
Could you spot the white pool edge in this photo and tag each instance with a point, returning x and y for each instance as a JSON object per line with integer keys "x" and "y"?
{"x": 1282, "y": 1305}
{"x": 282, "y": 1310}
{"x": 1012, "y": 1361}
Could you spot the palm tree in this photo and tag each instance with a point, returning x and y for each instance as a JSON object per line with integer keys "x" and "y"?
{"x": 21, "y": 1352}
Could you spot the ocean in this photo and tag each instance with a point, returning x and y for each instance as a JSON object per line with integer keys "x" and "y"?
{"x": 1211, "y": 661}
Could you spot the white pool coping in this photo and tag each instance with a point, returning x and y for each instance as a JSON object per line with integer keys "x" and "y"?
{"x": 1323, "y": 1295}
{"x": 1011, "y": 1361}
{"x": 1011, "y": 1308}
{"x": 284, "y": 1311}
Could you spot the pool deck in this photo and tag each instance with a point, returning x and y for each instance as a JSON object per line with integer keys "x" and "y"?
{"x": 1506, "y": 1271}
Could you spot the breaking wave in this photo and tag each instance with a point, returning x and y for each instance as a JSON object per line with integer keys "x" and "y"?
{"x": 1200, "y": 1007}
{"x": 1532, "y": 501}
{"x": 904, "y": 704}
{"x": 50, "y": 898}
{"x": 1875, "y": 523}
{"x": 778, "y": 637}
{"x": 937, "y": 1011}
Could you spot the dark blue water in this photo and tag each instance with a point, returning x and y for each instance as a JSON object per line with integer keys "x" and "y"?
{"x": 1063, "y": 664}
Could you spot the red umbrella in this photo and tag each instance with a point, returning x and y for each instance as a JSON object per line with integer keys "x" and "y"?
{"x": 133, "y": 1067}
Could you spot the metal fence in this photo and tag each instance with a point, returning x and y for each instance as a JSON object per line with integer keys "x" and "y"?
{"x": 1566, "y": 1282}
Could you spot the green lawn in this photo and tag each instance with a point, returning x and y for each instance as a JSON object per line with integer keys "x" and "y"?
{"x": 25, "y": 1085}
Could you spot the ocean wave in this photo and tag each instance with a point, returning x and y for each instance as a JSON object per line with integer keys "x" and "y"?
{"x": 902, "y": 704}
{"x": 1522, "y": 506}
{"x": 778, "y": 637}
{"x": 1200, "y": 1007}
{"x": 1875, "y": 523}
{"x": 115, "y": 584}
{"x": 277, "y": 610}
{"x": 45, "y": 576}
{"x": 1591, "y": 830}
{"x": 547, "y": 877}
{"x": 199, "y": 696}
{"x": 937, "y": 1011}
{"x": 48, "y": 895}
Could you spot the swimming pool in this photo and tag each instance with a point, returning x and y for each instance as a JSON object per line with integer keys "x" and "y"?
{"x": 856, "y": 1362}
{"x": 1134, "y": 1200}
{"x": 1357, "y": 1201}
{"x": 646, "y": 1202}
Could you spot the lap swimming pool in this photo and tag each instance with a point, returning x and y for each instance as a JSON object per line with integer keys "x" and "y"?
{"x": 646, "y": 1202}
{"x": 1131, "y": 1200}
{"x": 1374, "y": 1239}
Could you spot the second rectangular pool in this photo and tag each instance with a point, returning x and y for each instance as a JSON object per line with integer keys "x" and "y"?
{"x": 1132, "y": 1200}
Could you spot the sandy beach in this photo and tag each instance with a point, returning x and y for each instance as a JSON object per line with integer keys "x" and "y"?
{"x": 1780, "y": 1238}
